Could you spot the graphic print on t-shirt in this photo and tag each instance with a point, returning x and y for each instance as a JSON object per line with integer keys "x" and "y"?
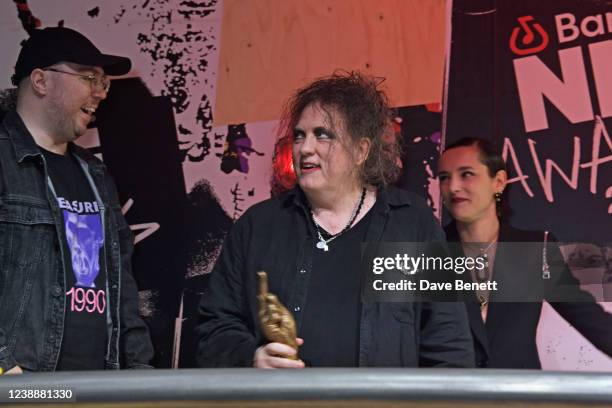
{"x": 84, "y": 239}
{"x": 84, "y": 340}
{"x": 84, "y": 236}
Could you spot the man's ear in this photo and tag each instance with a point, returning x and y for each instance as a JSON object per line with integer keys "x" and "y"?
{"x": 363, "y": 149}
{"x": 39, "y": 81}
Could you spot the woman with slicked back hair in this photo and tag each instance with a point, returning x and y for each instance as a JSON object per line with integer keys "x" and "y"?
{"x": 473, "y": 179}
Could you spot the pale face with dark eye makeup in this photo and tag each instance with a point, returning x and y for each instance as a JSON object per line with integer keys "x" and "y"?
{"x": 467, "y": 187}
{"x": 321, "y": 156}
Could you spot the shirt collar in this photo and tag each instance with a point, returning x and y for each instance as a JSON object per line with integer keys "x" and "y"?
{"x": 20, "y": 137}
{"x": 387, "y": 197}
{"x": 25, "y": 146}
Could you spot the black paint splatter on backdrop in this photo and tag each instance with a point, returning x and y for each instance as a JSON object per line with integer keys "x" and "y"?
{"x": 94, "y": 12}
{"x": 207, "y": 227}
{"x": 237, "y": 199}
{"x": 420, "y": 139}
{"x": 28, "y": 20}
{"x": 189, "y": 9}
{"x": 119, "y": 15}
{"x": 181, "y": 53}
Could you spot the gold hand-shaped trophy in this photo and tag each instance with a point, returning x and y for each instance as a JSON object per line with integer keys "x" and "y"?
{"x": 277, "y": 323}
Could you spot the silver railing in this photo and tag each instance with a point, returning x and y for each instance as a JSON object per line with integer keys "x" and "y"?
{"x": 380, "y": 387}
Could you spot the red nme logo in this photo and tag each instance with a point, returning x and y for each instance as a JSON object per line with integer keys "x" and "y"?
{"x": 528, "y": 37}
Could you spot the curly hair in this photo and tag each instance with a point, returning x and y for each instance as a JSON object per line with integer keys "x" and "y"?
{"x": 366, "y": 113}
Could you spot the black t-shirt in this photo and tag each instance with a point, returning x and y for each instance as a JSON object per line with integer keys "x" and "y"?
{"x": 331, "y": 316}
{"x": 84, "y": 339}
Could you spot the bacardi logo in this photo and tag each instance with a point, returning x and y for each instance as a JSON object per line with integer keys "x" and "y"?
{"x": 529, "y": 38}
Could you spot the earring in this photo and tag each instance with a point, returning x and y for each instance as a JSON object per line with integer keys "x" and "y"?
{"x": 498, "y": 197}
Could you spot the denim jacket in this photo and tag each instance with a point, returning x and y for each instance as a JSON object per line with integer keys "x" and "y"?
{"x": 32, "y": 272}
{"x": 276, "y": 236}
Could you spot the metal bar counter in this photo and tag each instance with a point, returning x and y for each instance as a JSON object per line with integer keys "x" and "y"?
{"x": 311, "y": 387}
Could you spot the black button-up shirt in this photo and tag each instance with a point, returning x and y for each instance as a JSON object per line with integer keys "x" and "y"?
{"x": 276, "y": 236}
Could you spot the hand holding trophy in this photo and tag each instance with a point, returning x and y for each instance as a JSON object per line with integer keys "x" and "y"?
{"x": 277, "y": 323}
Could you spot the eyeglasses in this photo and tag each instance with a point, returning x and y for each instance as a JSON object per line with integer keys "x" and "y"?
{"x": 98, "y": 83}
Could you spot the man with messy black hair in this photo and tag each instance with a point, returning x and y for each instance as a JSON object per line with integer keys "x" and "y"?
{"x": 308, "y": 240}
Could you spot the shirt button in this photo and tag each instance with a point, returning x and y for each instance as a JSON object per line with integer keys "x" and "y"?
{"x": 302, "y": 271}
{"x": 296, "y": 309}
{"x": 114, "y": 286}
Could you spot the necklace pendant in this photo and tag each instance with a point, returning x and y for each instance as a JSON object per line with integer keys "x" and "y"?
{"x": 482, "y": 300}
{"x": 323, "y": 245}
{"x": 482, "y": 275}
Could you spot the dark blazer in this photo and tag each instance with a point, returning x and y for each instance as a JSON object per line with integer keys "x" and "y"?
{"x": 508, "y": 338}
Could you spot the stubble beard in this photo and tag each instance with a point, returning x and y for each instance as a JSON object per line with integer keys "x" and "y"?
{"x": 61, "y": 123}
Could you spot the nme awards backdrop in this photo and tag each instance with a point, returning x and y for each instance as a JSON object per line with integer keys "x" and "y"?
{"x": 535, "y": 77}
{"x": 538, "y": 79}
{"x": 185, "y": 172}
